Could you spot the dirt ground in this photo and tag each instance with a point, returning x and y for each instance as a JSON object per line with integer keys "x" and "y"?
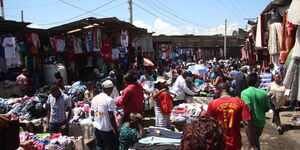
{"x": 271, "y": 140}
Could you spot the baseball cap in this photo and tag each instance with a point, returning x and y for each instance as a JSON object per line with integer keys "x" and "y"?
{"x": 107, "y": 84}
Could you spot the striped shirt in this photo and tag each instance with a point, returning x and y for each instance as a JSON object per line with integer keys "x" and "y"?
{"x": 58, "y": 108}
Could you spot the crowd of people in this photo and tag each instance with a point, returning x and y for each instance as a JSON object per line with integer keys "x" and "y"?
{"x": 242, "y": 95}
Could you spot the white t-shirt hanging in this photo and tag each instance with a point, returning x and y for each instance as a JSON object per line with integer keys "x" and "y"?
{"x": 9, "y": 44}
{"x": 35, "y": 40}
{"x": 77, "y": 43}
{"x": 124, "y": 38}
{"x": 60, "y": 45}
{"x": 115, "y": 54}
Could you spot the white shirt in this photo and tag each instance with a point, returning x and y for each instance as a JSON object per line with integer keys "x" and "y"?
{"x": 102, "y": 104}
{"x": 180, "y": 88}
{"x": 60, "y": 45}
{"x": 77, "y": 43}
{"x": 9, "y": 44}
{"x": 124, "y": 38}
{"x": 115, "y": 54}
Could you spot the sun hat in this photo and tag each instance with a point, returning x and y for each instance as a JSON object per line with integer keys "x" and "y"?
{"x": 160, "y": 79}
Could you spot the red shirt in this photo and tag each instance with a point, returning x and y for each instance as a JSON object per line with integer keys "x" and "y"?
{"x": 165, "y": 103}
{"x": 132, "y": 99}
{"x": 107, "y": 50}
{"x": 230, "y": 111}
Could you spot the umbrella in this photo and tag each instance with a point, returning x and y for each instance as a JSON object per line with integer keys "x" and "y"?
{"x": 197, "y": 69}
{"x": 146, "y": 62}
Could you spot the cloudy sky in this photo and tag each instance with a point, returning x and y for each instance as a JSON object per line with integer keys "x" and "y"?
{"x": 170, "y": 17}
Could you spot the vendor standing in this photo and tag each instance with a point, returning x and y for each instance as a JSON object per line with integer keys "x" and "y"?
{"x": 59, "y": 80}
{"x": 180, "y": 88}
{"x": 132, "y": 96}
{"x": 102, "y": 109}
{"x": 58, "y": 103}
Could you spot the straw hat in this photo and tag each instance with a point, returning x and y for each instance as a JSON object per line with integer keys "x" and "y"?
{"x": 160, "y": 79}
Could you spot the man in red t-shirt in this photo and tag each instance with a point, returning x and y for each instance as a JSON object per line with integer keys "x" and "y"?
{"x": 230, "y": 111}
{"x": 132, "y": 96}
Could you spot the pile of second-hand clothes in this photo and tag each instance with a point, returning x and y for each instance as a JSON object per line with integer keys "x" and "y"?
{"x": 76, "y": 91}
{"x": 26, "y": 107}
{"x": 187, "y": 112}
{"x": 56, "y": 141}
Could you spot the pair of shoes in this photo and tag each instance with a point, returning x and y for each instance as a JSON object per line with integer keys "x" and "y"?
{"x": 280, "y": 130}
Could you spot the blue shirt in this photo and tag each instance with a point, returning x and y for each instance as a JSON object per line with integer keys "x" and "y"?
{"x": 58, "y": 108}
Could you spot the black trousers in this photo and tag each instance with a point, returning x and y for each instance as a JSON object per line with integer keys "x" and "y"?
{"x": 56, "y": 128}
{"x": 106, "y": 140}
{"x": 257, "y": 131}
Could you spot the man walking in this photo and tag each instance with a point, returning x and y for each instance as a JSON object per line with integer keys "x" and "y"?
{"x": 230, "y": 111}
{"x": 58, "y": 103}
{"x": 102, "y": 109}
{"x": 257, "y": 101}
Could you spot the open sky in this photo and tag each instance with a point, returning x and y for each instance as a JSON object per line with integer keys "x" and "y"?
{"x": 170, "y": 17}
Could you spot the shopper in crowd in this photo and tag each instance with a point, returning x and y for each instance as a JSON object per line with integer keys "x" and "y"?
{"x": 131, "y": 131}
{"x": 276, "y": 91}
{"x": 180, "y": 88}
{"x": 163, "y": 104}
{"x": 205, "y": 133}
{"x": 89, "y": 93}
{"x": 59, "y": 80}
{"x": 219, "y": 77}
{"x": 146, "y": 77}
{"x": 132, "y": 97}
{"x": 230, "y": 111}
{"x": 257, "y": 101}
{"x": 58, "y": 103}
{"x": 240, "y": 82}
{"x": 190, "y": 81}
{"x": 24, "y": 82}
{"x": 233, "y": 74}
{"x": 102, "y": 111}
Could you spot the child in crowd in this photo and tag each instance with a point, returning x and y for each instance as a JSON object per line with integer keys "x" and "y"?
{"x": 89, "y": 93}
{"x": 131, "y": 131}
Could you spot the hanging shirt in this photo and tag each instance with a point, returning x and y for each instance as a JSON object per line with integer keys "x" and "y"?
{"x": 21, "y": 41}
{"x": 115, "y": 54}
{"x": 77, "y": 44}
{"x": 107, "y": 50}
{"x": 60, "y": 45}
{"x": 9, "y": 44}
{"x": 89, "y": 41}
{"x": 35, "y": 40}
{"x": 123, "y": 55}
{"x": 124, "y": 38}
{"x": 53, "y": 43}
{"x": 97, "y": 39}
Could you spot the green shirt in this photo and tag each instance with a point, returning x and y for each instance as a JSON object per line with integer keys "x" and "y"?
{"x": 128, "y": 137}
{"x": 258, "y": 99}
